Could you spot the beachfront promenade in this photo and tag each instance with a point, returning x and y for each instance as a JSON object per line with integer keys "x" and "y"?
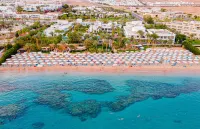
{"x": 172, "y": 57}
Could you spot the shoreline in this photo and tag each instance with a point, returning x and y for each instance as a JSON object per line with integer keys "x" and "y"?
{"x": 139, "y": 70}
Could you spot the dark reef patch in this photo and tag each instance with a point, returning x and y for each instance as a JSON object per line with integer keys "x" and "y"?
{"x": 85, "y": 109}
{"x": 142, "y": 90}
{"x": 38, "y": 125}
{"x": 90, "y": 86}
{"x": 177, "y": 121}
{"x": 124, "y": 101}
{"x": 10, "y": 112}
{"x": 54, "y": 99}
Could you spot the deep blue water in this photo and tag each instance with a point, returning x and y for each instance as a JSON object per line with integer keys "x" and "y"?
{"x": 50, "y": 100}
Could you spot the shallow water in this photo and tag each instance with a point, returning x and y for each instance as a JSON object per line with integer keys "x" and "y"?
{"x": 52, "y": 100}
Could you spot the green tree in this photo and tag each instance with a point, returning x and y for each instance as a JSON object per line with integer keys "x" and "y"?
{"x": 148, "y": 19}
{"x": 106, "y": 43}
{"x": 180, "y": 38}
{"x": 91, "y": 45}
{"x": 36, "y": 25}
{"x": 65, "y": 6}
{"x": 154, "y": 37}
{"x": 141, "y": 33}
{"x": 30, "y": 47}
{"x": 191, "y": 36}
{"x": 74, "y": 37}
{"x": 163, "y": 10}
{"x": 88, "y": 43}
{"x": 149, "y": 38}
{"x": 19, "y": 9}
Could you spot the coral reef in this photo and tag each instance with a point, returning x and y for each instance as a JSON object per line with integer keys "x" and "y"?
{"x": 85, "y": 109}
{"x": 142, "y": 90}
{"x": 90, "y": 86}
{"x": 11, "y": 111}
{"x": 54, "y": 99}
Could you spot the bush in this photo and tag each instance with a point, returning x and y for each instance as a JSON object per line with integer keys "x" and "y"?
{"x": 188, "y": 45}
{"x": 9, "y": 52}
{"x": 180, "y": 38}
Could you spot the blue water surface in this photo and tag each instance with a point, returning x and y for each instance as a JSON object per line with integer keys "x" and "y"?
{"x": 121, "y": 101}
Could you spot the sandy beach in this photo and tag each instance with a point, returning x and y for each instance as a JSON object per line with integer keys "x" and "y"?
{"x": 154, "y": 70}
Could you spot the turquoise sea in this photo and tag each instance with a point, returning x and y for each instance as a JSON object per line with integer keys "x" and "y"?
{"x": 58, "y": 100}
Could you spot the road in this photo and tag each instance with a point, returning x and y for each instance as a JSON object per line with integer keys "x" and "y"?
{"x": 137, "y": 16}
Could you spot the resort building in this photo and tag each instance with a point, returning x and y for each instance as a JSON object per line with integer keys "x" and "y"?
{"x": 7, "y": 11}
{"x": 49, "y": 2}
{"x": 170, "y": 3}
{"x": 105, "y": 27}
{"x": 132, "y": 29}
{"x": 51, "y": 7}
{"x": 163, "y": 34}
{"x": 167, "y": 15}
{"x": 7, "y": 2}
{"x": 79, "y": 8}
{"x": 36, "y": 2}
{"x": 59, "y": 28}
{"x": 119, "y": 2}
{"x": 95, "y": 27}
{"x": 191, "y": 28}
{"x": 157, "y": 12}
{"x": 30, "y": 8}
{"x": 47, "y": 16}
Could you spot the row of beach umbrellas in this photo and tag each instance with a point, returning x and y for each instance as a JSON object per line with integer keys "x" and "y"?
{"x": 149, "y": 57}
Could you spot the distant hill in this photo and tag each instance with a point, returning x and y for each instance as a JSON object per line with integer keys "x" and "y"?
{"x": 195, "y": 1}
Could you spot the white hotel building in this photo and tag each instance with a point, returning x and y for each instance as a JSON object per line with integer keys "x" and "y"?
{"x": 131, "y": 31}
{"x": 61, "y": 25}
{"x": 187, "y": 28}
{"x": 105, "y": 27}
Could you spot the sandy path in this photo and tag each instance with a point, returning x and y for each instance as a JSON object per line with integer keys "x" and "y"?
{"x": 154, "y": 70}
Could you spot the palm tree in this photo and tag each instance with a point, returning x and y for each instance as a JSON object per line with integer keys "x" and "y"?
{"x": 52, "y": 46}
{"x": 95, "y": 43}
{"x": 191, "y": 36}
{"x": 10, "y": 30}
{"x": 149, "y": 39}
{"x": 62, "y": 47}
{"x": 154, "y": 37}
{"x": 141, "y": 33}
{"x": 29, "y": 47}
{"x": 113, "y": 31}
{"x": 38, "y": 9}
{"x": 19, "y": 9}
{"x": 37, "y": 37}
{"x": 52, "y": 34}
{"x": 170, "y": 42}
{"x": 119, "y": 31}
{"x": 2, "y": 23}
{"x": 103, "y": 36}
{"x": 106, "y": 43}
